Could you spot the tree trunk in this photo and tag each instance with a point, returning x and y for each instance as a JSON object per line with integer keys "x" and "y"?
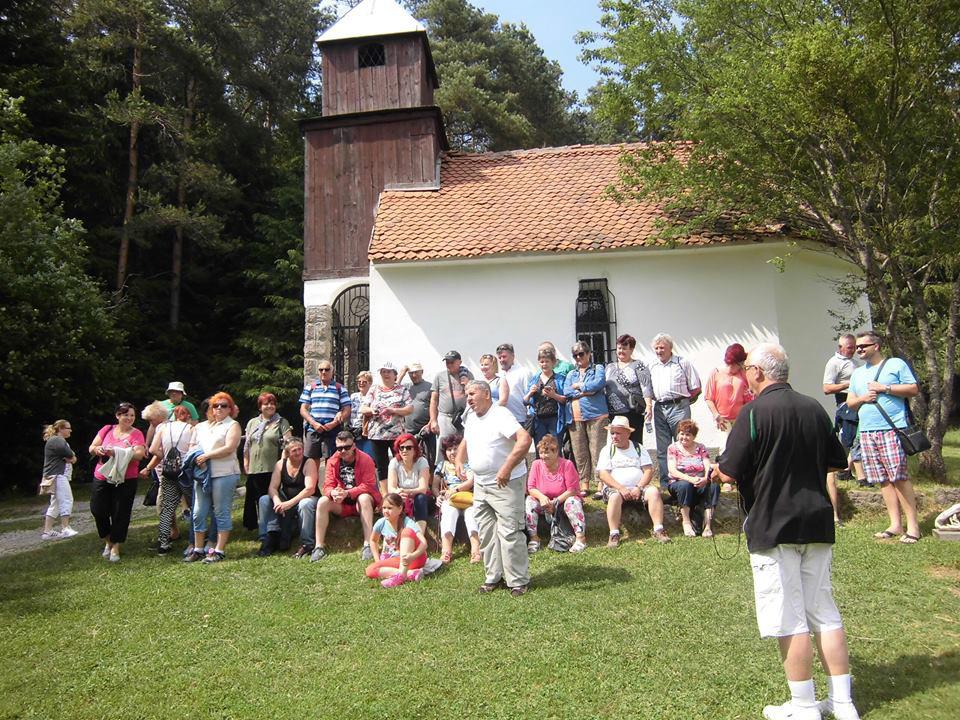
{"x": 133, "y": 160}
{"x": 176, "y": 265}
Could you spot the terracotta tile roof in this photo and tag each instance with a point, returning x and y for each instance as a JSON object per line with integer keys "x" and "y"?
{"x": 527, "y": 201}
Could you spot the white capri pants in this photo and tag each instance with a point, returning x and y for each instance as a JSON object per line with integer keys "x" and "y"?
{"x": 448, "y": 519}
{"x": 793, "y": 590}
{"x": 61, "y": 502}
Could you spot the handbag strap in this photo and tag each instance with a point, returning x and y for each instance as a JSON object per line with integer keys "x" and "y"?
{"x": 906, "y": 403}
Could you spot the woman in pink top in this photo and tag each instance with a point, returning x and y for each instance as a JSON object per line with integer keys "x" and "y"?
{"x": 554, "y": 483}
{"x": 111, "y": 500}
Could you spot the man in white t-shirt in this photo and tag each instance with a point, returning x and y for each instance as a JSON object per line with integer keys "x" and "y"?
{"x": 626, "y": 471}
{"x": 518, "y": 378}
{"x": 495, "y": 446}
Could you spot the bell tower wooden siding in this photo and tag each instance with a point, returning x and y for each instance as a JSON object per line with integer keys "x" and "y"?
{"x": 405, "y": 80}
{"x": 349, "y": 160}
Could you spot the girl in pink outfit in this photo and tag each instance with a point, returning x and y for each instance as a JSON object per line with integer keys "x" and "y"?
{"x": 404, "y": 550}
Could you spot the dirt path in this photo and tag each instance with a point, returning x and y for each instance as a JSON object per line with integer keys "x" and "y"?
{"x": 17, "y": 541}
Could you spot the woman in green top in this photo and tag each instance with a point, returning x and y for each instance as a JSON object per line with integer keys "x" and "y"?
{"x": 265, "y": 436}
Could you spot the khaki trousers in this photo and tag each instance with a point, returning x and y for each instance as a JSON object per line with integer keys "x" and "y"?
{"x": 503, "y": 544}
{"x": 587, "y": 438}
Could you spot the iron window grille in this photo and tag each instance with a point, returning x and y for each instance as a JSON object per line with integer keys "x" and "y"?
{"x": 597, "y": 319}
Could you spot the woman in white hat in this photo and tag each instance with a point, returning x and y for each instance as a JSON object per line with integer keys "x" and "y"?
{"x": 386, "y": 404}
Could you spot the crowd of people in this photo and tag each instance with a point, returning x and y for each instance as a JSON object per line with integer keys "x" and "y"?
{"x": 412, "y": 450}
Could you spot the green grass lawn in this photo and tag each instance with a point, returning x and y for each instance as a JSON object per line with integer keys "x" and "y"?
{"x": 646, "y": 631}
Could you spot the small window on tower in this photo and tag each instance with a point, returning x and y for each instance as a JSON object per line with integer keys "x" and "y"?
{"x": 372, "y": 55}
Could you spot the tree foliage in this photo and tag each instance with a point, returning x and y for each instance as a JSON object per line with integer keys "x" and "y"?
{"x": 497, "y": 89}
{"x": 839, "y": 117}
{"x": 58, "y": 337}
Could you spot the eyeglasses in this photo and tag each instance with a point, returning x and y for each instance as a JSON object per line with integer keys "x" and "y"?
{"x": 221, "y": 406}
{"x": 326, "y": 369}
{"x": 406, "y": 447}
{"x": 747, "y": 367}
{"x": 344, "y": 448}
{"x": 864, "y": 347}
{"x": 579, "y": 354}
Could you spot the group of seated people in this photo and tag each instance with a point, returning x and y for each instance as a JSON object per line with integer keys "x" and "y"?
{"x": 413, "y": 494}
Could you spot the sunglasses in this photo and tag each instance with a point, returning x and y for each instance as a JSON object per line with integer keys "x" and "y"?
{"x": 864, "y": 347}
{"x": 344, "y": 448}
{"x": 221, "y": 406}
{"x": 406, "y": 447}
{"x": 579, "y": 354}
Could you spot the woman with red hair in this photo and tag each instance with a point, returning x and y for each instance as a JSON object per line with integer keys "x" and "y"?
{"x": 265, "y": 437}
{"x": 217, "y": 438}
{"x": 409, "y": 476}
{"x": 726, "y": 392}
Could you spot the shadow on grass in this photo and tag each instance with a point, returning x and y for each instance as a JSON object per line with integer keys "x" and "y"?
{"x": 582, "y": 578}
{"x": 884, "y": 682}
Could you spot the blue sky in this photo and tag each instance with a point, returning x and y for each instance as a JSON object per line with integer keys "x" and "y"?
{"x": 554, "y": 23}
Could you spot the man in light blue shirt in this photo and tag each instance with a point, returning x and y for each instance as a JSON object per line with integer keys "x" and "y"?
{"x": 887, "y": 383}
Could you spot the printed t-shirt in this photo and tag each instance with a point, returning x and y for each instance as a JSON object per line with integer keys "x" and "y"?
{"x": 384, "y": 529}
{"x": 380, "y": 398}
{"x": 688, "y": 464}
{"x": 348, "y": 477}
{"x": 624, "y": 465}
{"x": 489, "y": 442}
{"x": 191, "y": 408}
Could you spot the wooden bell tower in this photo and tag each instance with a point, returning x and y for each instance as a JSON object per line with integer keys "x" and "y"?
{"x": 379, "y": 130}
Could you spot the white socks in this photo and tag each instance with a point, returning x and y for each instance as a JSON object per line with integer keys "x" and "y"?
{"x": 839, "y": 688}
{"x": 802, "y": 693}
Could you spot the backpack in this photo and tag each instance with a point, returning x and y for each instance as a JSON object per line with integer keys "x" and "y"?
{"x": 172, "y": 464}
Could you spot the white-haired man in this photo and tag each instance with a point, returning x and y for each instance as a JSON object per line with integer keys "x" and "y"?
{"x": 779, "y": 452}
{"x": 495, "y": 446}
{"x": 675, "y": 386}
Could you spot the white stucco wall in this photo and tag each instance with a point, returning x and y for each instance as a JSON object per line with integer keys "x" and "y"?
{"x": 706, "y": 298}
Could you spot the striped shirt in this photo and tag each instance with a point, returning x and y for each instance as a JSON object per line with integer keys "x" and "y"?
{"x": 674, "y": 379}
{"x": 325, "y": 400}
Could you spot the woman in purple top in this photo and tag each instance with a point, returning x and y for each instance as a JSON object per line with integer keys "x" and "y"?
{"x": 553, "y": 484}
{"x": 688, "y": 463}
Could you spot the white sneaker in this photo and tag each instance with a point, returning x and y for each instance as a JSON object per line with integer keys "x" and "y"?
{"x": 789, "y": 711}
{"x": 49, "y": 534}
{"x": 841, "y": 711}
{"x": 114, "y": 558}
{"x": 106, "y": 551}
{"x": 533, "y": 546}
{"x": 68, "y": 532}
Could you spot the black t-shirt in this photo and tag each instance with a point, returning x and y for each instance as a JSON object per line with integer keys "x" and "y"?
{"x": 779, "y": 451}
{"x": 347, "y": 475}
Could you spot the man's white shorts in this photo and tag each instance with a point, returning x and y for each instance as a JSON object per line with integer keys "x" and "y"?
{"x": 793, "y": 592}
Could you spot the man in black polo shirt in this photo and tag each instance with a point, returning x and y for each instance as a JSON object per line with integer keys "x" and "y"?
{"x": 778, "y": 453}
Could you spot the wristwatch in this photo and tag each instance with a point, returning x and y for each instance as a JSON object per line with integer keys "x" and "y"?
{"x": 888, "y": 390}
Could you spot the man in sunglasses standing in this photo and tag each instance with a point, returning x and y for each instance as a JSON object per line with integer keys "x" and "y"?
{"x": 325, "y": 408}
{"x": 887, "y": 383}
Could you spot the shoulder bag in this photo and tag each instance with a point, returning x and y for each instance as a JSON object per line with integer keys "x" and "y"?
{"x": 912, "y": 438}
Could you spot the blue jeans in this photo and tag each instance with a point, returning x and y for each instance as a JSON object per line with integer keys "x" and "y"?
{"x": 285, "y": 524}
{"x": 689, "y": 496}
{"x": 665, "y": 421}
{"x": 220, "y": 495}
{"x": 307, "y": 510}
{"x": 544, "y": 427}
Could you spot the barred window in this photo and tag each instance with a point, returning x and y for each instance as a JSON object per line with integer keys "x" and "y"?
{"x": 372, "y": 55}
{"x": 597, "y": 319}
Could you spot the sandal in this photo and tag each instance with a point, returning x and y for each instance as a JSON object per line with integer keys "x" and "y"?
{"x": 908, "y": 539}
{"x": 885, "y": 535}
{"x": 446, "y": 557}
